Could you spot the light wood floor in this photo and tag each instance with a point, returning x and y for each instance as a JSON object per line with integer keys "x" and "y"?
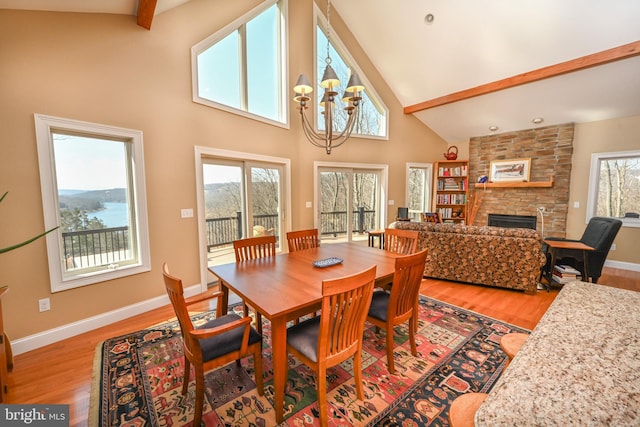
{"x": 61, "y": 373}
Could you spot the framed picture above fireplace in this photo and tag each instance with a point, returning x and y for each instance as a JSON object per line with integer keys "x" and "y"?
{"x": 512, "y": 170}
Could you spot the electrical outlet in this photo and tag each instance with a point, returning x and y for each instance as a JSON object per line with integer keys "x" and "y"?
{"x": 44, "y": 304}
{"x": 613, "y": 246}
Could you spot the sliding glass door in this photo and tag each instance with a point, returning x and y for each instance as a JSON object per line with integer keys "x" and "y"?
{"x": 349, "y": 202}
{"x": 242, "y": 199}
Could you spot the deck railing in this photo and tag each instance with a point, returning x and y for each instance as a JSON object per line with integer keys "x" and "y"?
{"x": 223, "y": 231}
{"x": 111, "y": 245}
{"x": 89, "y": 248}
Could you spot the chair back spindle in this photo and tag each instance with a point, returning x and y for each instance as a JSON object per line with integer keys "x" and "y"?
{"x": 399, "y": 241}
{"x": 303, "y": 239}
{"x": 254, "y": 248}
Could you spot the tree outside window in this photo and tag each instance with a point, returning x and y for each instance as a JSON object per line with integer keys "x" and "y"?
{"x": 372, "y": 115}
{"x": 615, "y": 186}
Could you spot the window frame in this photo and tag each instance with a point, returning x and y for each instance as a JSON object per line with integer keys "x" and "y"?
{"x": 428, "y": 186}
{"x": 60, "y": 281}
{"x": 236, "y": 25}
{"x": 320, "y": 20}
{"x": 594, "y": 183}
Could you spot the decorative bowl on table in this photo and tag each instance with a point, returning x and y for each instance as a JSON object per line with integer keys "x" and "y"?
{"x": 327, "y": 262}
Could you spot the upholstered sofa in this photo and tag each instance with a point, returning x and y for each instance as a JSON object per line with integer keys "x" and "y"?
{"x": 494, "y": 256}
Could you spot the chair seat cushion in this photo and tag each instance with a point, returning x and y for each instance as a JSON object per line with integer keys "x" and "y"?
{"x": 304, "y": 337}
{"x": 379, "y": 305}
{"x": 227, "y": 342}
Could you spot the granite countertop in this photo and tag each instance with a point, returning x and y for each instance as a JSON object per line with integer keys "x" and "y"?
{"x": 580, "y": 366}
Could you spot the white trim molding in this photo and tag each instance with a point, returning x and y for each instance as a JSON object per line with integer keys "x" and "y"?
{"x": 51, "y": 336}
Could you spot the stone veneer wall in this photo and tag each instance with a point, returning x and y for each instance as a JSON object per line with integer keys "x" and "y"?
{"x": 550, "y": 149}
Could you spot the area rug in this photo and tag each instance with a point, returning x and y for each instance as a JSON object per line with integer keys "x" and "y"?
{"x": 138, "y": 377}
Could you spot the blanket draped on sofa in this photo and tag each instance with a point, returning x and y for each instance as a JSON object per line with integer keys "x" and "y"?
{"x": 494, "y": 256}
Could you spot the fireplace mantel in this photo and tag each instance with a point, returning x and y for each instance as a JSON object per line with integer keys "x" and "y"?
{"x": 515, "y": 184}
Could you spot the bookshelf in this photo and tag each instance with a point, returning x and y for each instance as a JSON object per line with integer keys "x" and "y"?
{"x": 451, "y": 186}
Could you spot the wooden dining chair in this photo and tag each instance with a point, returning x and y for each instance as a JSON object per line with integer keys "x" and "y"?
{"x": 399, "y": 241}
{"x": 336, "y": 335}
{"x": 299, "y": 240}
{"x": 404, "y": 242}
{"x": 303, "y": 239}
{"x": 389, "y": 309}
{"x": 254, "y": 248}
{"x": 224, "y": 339}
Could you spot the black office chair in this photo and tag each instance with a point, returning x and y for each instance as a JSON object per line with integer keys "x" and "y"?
{"x": 599, "y": 234}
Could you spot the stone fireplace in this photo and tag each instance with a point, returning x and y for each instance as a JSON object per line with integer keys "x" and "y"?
{"x": 550, "y": 149}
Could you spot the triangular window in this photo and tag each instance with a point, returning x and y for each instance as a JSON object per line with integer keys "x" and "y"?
{"x": 373, "y": 114}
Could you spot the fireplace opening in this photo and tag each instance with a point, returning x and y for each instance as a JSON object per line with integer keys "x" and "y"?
{"x": 512, "y": 221}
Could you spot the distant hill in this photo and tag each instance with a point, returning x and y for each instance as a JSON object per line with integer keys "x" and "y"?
{"x": 90, "y": 201}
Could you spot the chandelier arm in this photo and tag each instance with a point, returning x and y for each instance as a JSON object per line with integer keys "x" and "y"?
{"x": 312, "y": 138}
{"x": 316, "y": 139}
{"x": 328, "y": 140}
{"x": 346, "y": 132}
{"x": 341, "y": 139}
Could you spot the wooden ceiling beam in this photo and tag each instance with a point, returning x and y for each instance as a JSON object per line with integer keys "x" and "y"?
{"x": 146, "y": 11}
{"x": 600, "y": 58}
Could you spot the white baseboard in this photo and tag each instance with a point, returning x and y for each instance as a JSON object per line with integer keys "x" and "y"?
{"x": 51, "y": 336}
{"x": 622, "y": 265}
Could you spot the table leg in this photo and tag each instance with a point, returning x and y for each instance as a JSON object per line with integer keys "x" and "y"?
{"x": 280, "y": 365}
{"x": 551, "y": 267}
{"x": 585, "y": 264}
{"x": 224, "y": 301}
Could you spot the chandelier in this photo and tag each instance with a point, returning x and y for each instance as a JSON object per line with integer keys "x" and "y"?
{"x": 331, "y": 138}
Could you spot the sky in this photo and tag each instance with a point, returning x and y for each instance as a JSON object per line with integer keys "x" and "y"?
{"x": 219, "y": 174}
{"x": 82, "y": 163}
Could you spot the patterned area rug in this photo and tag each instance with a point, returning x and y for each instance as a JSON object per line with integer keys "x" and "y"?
{"x": 138, "y": 377}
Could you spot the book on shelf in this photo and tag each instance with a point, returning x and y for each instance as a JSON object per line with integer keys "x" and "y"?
{"x": 565, "y": 269}
{"x": 564, "y": 280}
{"x": 565, "y": 273}
{"x": 452, "y": 171}
{"x": 451, "y": 199}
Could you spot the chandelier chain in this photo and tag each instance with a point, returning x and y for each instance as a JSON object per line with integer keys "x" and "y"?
{"x": 328, "y": 58}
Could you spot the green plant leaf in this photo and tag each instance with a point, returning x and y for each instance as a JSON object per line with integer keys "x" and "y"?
{"x": 26, "y": 242}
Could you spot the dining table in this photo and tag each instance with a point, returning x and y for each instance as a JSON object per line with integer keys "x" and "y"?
{"x": 287, "y": 286}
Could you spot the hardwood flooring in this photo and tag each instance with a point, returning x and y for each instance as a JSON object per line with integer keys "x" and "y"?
{"x": 61, "y": 373}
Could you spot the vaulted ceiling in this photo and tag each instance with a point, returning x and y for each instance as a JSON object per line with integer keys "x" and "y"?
{"x": 481, "y": 63}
